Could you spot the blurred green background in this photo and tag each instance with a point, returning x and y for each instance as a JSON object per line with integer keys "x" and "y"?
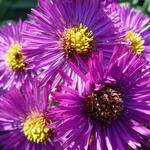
{"x": 15, "y": 9}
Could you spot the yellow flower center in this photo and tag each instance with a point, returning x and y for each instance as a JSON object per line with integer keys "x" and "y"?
{"x": 34, "y": 128}
{"x": 14, "y": 57}
{"x": 79, "y": 39}
{"x": 136, "y": 42}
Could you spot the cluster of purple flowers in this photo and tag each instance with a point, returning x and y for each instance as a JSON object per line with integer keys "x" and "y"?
{"x": 76, "y": 76}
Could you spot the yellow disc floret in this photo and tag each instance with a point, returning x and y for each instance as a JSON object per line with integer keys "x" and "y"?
{"x": 34, "y": 128}
{"x": 78, "y": 39}
{"x": 14, "y": 57}
{"x": 136, "y": 42}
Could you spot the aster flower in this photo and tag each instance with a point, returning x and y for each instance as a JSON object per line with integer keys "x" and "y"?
{"x": 23, "y": 119}
{"x": 112, "y": 108}
{"x": 110, "y": 5}
{"x": 12, "y": 64}
{"x": 137, "y": 30}
{"x": 68, "y": 29}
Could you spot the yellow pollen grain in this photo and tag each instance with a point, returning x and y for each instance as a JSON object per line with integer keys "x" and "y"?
{"x": 14, "y": 57}
{"x": 79, "y": 39}
{"x": 91, "y": 139}
{"x": 136, "y": 42}
{"x": 34, "y": 128}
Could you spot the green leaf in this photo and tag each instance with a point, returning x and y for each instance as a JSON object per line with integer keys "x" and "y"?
{"x": 146, "y": 7}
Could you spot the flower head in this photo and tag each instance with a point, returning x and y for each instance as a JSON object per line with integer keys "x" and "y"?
{"x": 110, "y": 109}
{"x": 68, "y": 30}
{"x": 23, "y": 118}
{"x": 13, "y": 67}
{"x": 137, "y": 30}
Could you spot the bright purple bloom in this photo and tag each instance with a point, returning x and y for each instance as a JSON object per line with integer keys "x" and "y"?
{"x": 137, "y": 30}
{"x": 68, "y": 29}
{"x": 13, "y": 68}
{"x": 111, "y": 109}
{"x": 23, "y": 119}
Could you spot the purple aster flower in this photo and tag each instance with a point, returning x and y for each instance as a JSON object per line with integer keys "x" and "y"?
{"x": 111, "y": 109}
{"x": 68, "y": 29}
{"x": 110, "y": 5}
{"x": 12, "y": 64}
{"x": 23, "y": 119}
{"x": 138, "y": 30}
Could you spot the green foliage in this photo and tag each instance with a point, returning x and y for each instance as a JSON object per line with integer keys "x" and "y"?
{"x": 55, "y": 103}
{"x": 15, "y": 9}
{"x": 138, "y": 4}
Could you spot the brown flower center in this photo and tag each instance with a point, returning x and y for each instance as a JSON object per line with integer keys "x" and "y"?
{"x": 104, "y": 105}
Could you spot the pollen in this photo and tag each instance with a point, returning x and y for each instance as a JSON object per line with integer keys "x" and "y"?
{"x": 14, "y": 57}
{"x": 78, "y": 39}
{"x": 136, "y": 42}
{"x": 34, "y": 128}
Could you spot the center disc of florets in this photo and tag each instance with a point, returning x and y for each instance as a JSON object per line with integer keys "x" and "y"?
{"x": 136, "y": 42}
{"x": 14, "y": 57}
{"x": 78, "y": 39}
{"x": 34, "y": 128}
{"x": 104, "y": 105}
